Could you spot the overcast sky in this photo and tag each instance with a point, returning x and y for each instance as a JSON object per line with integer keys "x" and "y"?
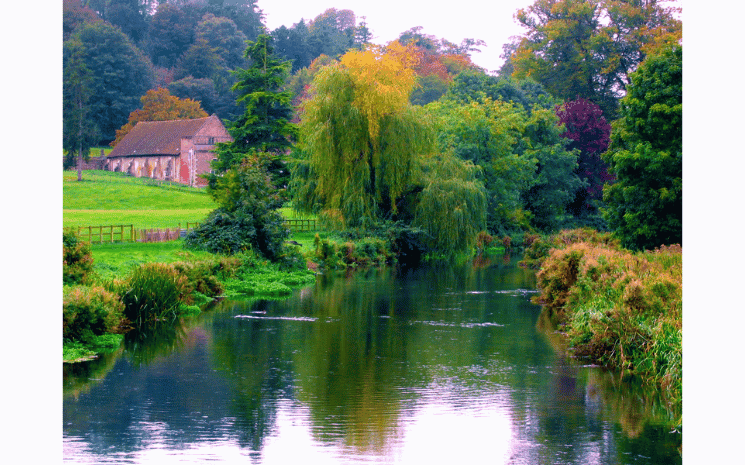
{"x": 491, "y": 21}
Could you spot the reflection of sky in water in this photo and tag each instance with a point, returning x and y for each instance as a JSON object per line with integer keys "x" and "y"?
{"x": 459, "y": 377}
{"x": 430, "y": 430}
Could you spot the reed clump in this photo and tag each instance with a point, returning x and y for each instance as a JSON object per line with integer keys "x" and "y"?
{"x": 153, "y": 292}
{"x": 618, "y": 308}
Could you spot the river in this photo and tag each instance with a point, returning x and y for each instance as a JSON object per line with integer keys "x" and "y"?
{"x": 442, "y": 364}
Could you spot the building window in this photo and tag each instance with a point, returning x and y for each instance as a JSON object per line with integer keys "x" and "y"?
{"x": 211, "y": 141}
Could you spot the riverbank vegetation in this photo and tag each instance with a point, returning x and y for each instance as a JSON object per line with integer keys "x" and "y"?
{"x": 402, "y": 151}
{"x": 110, "y": 289}
{"x": 617, "y": 308}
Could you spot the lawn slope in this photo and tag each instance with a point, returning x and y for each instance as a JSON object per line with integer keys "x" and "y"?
{"x": 105, "y": 198}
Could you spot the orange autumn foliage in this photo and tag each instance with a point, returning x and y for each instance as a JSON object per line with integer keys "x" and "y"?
{"x": 160, "y": 105}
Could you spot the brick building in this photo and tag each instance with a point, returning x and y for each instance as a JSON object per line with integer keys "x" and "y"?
{"x": 176, "y": 150}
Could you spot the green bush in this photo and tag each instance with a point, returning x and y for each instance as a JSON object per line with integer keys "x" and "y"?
{"x": 152, "y": 292}
{"x": 77, "y": 260}
{"x": 248, "y": 217}
{"x": 90, "y": 311}
{"x": 618, "y": 308}
{"x": 200, "y": 278}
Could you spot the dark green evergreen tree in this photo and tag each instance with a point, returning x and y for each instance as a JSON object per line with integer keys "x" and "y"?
{"x": 645, "y": 208}
{"x": 265, "y": 124}
{"x": 121, "y": 75}
{"x": 79, "y": 131}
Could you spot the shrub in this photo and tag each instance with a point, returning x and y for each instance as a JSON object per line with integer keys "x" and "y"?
{"x": 152, "y": 292}
{"x": 248, "y": 216}
{"x": 90, "y": 311}
{"x": 77, "y": 260}
{"x": 200, "y": 277}
{"x": 327, "y": 253}
{"x": 619, "y": 308}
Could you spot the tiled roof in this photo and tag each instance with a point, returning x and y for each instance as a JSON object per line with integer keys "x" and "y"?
{"x": 157, "y": 137}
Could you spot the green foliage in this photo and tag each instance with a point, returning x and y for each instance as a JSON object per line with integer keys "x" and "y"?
{"x": 368, "y": 158}
{"x": 555, "y": 180}
{"x": 255, "y": 278}
{"x": 618, "y": 308}
{"x": 73, "y": 352}
{"x": 471, "y": 85}
{"x": 368, "y": 250}
{"x": 265, "y": 124}
{"x": 527, "y": 171}
{"x": 120, "y": 72}
{"x": 201, "y": 277}
{"x": 77, "y": 260}
{"x": 644, "y": 205}
{"x": 452, "y": 203}
{"x": 248, "y": 217}
{"x": 89, "y": 311}
{"x": 153, "y": 292}
{"x": 588, "y": 49}
{"x": 79, "y": 128}
{"x": 356, "y": 173}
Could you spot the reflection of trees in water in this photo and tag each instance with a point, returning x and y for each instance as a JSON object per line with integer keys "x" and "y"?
{"x": 146, "y": 344}
{"x": 79, "y": 378}
{"x": 250, "y": 354}
{"x": 590, "y": 394}
{"x": 373, "y": 346}
{"x": 379, "y": 342}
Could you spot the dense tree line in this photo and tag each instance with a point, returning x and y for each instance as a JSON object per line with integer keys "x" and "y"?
{"x": 411, "y": 133}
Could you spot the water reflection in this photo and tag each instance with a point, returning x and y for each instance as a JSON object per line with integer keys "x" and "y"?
{"x": 434, "y": 365}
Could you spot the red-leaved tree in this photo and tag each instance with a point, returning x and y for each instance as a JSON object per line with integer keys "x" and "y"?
{"x": 589, "y": 132}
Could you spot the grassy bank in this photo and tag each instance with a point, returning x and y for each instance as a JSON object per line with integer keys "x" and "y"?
{"x": 114, "y": 288}
{"x": 618, "y": 308}
{"x": 105, "y": 198}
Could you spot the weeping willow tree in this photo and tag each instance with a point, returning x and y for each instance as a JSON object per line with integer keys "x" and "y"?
{"x": 452, "y": 203}
{"x": 367, "y": 155}
{"x": 361, "y": 137}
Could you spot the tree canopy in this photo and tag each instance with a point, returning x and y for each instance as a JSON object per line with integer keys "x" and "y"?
{"x": 160, "y": 105}
{"x": 644, "y": 205}
{"x": 587, "y": 49}
{"x": 120, "y": 72}
{"x": 79, "y": 132}
{"x": 265, "y": 124}
{"x": 368, "y": 156}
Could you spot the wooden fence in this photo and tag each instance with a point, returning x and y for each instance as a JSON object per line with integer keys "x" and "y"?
{"x": 301, "y": 225}
{"x": 111, "y": 233}
{"x": 128, "y": 233}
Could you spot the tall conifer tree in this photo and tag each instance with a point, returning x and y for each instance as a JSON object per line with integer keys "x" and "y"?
{"x": 265, "y": 124}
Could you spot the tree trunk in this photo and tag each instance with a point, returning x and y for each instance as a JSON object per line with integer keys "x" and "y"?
{"x": 80, "y": 165}
{"x": 80, "y": 140}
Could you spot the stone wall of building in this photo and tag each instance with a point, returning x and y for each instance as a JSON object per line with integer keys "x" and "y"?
{"x": 156, "y": 167}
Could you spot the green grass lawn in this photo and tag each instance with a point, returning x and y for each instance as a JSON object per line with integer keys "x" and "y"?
{"x": 117, "y": 260}
{"x": 105, "y": 198}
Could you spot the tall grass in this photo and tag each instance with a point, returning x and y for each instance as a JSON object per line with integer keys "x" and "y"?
{"x": 618, "y": 308}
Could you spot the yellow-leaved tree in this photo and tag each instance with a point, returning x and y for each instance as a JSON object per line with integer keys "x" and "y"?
{"x": 366, "y": 154}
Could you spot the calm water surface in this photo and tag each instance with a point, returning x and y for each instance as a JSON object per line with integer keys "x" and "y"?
{"x": 436, "y": 365}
